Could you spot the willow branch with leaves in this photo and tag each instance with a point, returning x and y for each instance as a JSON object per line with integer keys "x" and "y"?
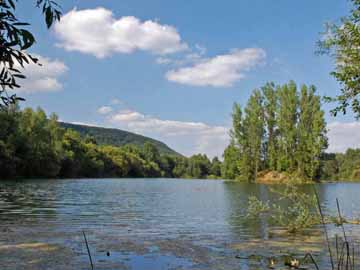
{"x": 15, "y": 40}
{"x": 342, "y": 43}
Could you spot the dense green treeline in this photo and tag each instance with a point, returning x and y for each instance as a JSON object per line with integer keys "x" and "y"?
{"x": 117, "y": 137}
{"x": 341, "y": 166}
{"x": 33, "y": 145}
{"x": 281, "y": 128}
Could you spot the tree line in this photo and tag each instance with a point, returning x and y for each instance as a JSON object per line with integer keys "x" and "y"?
{"x": 33, "y": 145}
{"x": 341, "y": 166}
{"x": 267, "y": 135}
{"x": 281, "y": 128}
{"x": 117, "y": 137}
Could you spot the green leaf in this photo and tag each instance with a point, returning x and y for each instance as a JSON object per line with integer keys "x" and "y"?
{"x": 49, "y": 17}
{"x": 21, "y": 76}
{"x": 11, "y": 2}
{"x": 28, "y": 39}
{"x": 21, "y": 24}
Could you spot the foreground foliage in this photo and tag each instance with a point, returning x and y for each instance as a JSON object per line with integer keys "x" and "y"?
{"x": 15, "y": 40}
{"x": 342, "y": 42}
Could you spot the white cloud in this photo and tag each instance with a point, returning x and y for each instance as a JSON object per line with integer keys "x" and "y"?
{"x": 164, "y": 60}
{"x": 193, "y": 55}
{"x": 97, "y": 32}
{"x": 219, "y": 71}
{"x": 116, "y": 101}
{"x": 343, "y": 135}
{"x": 104, "y": 110}
{"x": 201, "y": 49}
{"x": 44, "y": 78}
{"x": 186, "y": 137}
{"x": 188, "y": 59}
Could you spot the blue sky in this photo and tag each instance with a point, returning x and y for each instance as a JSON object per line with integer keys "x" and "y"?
{"x": 172, "y": 69}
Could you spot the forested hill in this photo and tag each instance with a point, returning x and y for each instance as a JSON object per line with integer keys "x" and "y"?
{"x": 118, "y": 137}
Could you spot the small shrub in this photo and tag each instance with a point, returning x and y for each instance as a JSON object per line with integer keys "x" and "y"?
{"x": 297, "y": 213}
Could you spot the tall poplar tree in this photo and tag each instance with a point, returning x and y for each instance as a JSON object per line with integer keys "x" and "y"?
{"x": 304, "y": 130}
{"x": 230, "y": 165}
{"x": 232, "y": 154}
{"x": 236, "y": 133}
{"x": 253, "y": 126}
{"x": 319, "y": 140}
{"x": 287, "y": 120}
{"x": 270, "y": 107}
{"x": 280, "y": 130}
{"x": 312, "y": 139}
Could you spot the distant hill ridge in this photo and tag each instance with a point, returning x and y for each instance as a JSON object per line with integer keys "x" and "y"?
{"x": 117, "y": 137}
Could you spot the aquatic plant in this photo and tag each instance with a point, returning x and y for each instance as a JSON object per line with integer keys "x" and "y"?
{"x": 345, "y": 250}
{"x": 294, "y": 210}
{"x": 296, "y": 214}
{"x": 302, "y": 215}
{"x": 257, "y": 207}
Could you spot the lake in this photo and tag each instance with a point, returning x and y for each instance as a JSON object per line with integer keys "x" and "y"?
{"x": 151, "y": 224}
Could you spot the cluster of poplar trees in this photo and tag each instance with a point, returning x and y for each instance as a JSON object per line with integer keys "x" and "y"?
{"x": 282, "y": 128}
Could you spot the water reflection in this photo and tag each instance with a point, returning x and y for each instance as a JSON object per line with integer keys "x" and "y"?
{"x": 21, "y": 201}
{"x": 203, "y": 215}
{"x": 172, "y": 206}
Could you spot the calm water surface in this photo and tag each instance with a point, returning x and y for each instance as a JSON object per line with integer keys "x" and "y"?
{"x": 150, "y": 224}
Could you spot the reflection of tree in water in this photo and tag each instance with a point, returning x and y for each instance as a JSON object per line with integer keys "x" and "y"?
{"x": 26, "y": 201}
{"x": 259, "y": 227}
{"x": 257, "y": 236}
{"x": 78, "y": 203}
{"x": 237, "y": 195}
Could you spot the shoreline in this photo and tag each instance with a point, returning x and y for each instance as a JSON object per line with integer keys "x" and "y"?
{"x": 306, "y": 182}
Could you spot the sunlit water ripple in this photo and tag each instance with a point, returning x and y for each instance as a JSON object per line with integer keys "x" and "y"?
{"x": 209, "y": 213}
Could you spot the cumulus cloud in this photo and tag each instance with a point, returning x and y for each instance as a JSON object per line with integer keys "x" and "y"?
{"x": 104, "y": 110}
{"x": 193, "y": 55}
{"x": 44, "y": 78}
{"x": 201, "y": 49}
{"x": 164, "y": 60}
{"x": 343, "y": 135}
{"x": 188, "y": 59}
{"x": 98, "y": 32}
{"x": 186, "y": 137}
{"x": 219, "y": 71}
{"x": 116, "y": 101}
